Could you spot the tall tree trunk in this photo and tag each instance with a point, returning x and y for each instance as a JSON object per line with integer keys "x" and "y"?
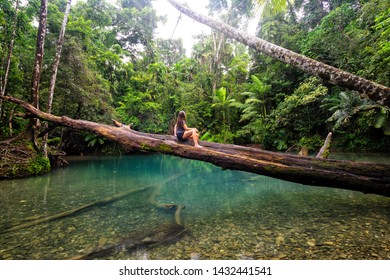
{"x": 54, "y": 70}
{"x": 367, "y": 88}
{"x": 10, "y": 50}
{"x": 39, "y": 52}
{"x": 218, "y": 46}
{"x": 57, "y": 58}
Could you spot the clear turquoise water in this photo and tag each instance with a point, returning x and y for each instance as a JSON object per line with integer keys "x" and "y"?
{"x": 229, "y": 214}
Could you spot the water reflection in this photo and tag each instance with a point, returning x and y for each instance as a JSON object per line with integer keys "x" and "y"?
{"x": 230, "y": 214}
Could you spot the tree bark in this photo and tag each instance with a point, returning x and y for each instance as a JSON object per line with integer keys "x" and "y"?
{"x": 39, "y": 51}
{"x": 359, "y": 176}
{"x": 215, "y": 67}
{"x": 10, "y": 50}
{"x": 367, "y": 88}
{"x": 57, "y": 58}
{"x": 36, "y": 77}
{"x": 324, "y": 151}
{"x": 54, "y": 70}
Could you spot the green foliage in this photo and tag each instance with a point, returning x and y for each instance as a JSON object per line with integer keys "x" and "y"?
{"x": 372, "y": 31}
{"x": 113, "y": 66}
{"x": 313, "y": 143}
{"x": 330, "y": 42}
{"x": 257, "y": 103}
{"x": 272, "y": 7}
{"x": 299, "y": 115}
{"x": 139, "y": 109}
{"x": 300, "y": 111}
{"x": 54, "y": 141}
{"x": 345, "y": 107}
{"x": 221, "y": 103}
{"x": 170, "y": 51}
{"x": 348, "y": 106}
{"x": 258, "y": 131}
{"x": 358, "y": 124}
{"x": 281, "y": 140}
{"x": 224, "y": 135}
{"x": 26, "y": 162}
{"x": 94, "y": 140}
{"x": 282, "y": 78}
{"x": 38, "y": 165}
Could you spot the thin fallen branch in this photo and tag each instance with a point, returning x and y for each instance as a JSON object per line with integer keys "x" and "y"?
{"x": 178, "y": 213}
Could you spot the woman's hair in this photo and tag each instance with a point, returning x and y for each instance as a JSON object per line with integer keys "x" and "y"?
{"x": 182, "y": 115}
{"x": 181, "y": 118}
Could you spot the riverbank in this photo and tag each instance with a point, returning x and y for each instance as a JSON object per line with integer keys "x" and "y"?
{"x": 20, "y": 160}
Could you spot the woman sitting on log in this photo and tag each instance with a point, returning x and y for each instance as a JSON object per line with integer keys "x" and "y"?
{"x": 183, "y": 132}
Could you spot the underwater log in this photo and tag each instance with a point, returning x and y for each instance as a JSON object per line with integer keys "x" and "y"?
{"x": 32, "y": 221}
{"x": 42, "y": 219}
{"x": 161, "y": 234}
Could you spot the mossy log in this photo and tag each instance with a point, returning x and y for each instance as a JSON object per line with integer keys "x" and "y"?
{"x": 365, "y": 177}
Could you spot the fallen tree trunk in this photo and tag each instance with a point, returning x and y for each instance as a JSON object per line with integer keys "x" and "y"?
{"x": 359, "y": 176}
{"x": 365, "y": 176}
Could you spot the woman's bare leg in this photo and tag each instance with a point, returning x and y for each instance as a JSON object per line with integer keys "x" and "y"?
{"x": 193, "y": 135}
{"x": 188, "y": 134}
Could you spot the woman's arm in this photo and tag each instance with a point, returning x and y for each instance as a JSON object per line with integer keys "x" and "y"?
{"x": 189, "y": 128}
{"x": 174, "y": 130}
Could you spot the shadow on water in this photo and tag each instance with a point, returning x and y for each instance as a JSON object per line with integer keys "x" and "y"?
{"x": 228, "y": 214}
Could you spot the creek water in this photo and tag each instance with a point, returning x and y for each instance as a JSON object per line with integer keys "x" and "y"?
{"x": 228, "y": 214}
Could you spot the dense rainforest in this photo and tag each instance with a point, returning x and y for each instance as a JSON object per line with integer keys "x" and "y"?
{"x": 113, "y": 66}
